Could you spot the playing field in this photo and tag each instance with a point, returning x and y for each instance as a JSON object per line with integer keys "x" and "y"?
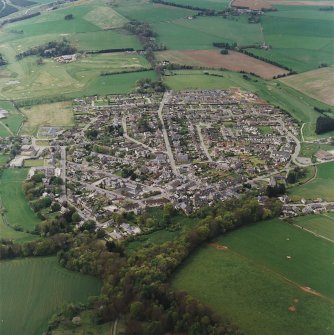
{"x": 56, "y": 114}
{"x": 320, "y": 187}
{"x": 234, "y": 61}
{"x": 317, "y": 84}
{"x": 17, "y": 210}
{"x": 33, "y": 289}
{"x": 270, "y": 279}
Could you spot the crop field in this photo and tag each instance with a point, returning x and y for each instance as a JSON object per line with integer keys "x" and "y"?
{"x": 234, "y": 61}
{"x": 301, "y": 37}
{"x": 265, "y": 270}
{"x": 55, "y": 114}
{"x": 321, "y": 187}
{"x": 321, "y": 224}
{"x": 317, "y": 84}
{"x": 200, "y": 33}
{"x": 17, "y": 209}
{"x": 297, "y": 104}
{"x": 33, "y": 289}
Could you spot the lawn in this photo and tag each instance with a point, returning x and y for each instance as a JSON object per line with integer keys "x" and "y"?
{"x": 322, "y": 224}
{"x": 34, "y": 162}
{"x": 33, "y": 289}
{"x": 321, "y": 187}
{"x": 18, "y": 212}
{"x": 252, "y": 284}
{"x": 56, "y": 114}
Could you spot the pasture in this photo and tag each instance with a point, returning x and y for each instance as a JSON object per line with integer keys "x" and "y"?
{"x": 75, "y": 79}
{"x": 247, "y": 278}
{"x": 33, "y": 289}
{"x": 321, "y": 224}
{"x": 59, "y": 114}
{"x": 17, "y": 209}
{"x": 301, "y": 38}
{"x": 234, "y": 61}
{"x": 200, "y": 33}
{"x": 316, "y": 84}
{"x": 8, "y": 233}
{"x": 320, "y": 187}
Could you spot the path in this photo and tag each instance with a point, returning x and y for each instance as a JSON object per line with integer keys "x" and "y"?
{"x": 164, "y": 131}
{"x": 125, "y": 135}
{"x": 6, "y": 127}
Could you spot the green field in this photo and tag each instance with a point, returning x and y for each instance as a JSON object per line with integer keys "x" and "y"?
{"x": 322, "y": 224}
{"x": 321, "y": 187}
{"x": 210, "y": 4}
{"x": 18, "y": 212}
{"x": 252, "y": 283}
{"x": 297, "y": 104}
{"x": 200, "y": 33}
{"x": 33, "y": 289}
{"x": 310, "y": 149}
{"x": 8, "y": 233}
{"x": 301, "y": 37}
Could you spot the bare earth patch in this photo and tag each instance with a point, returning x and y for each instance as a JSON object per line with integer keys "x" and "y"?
{"x": 318, "y": 84}
{"x": 234, "y": 61}
{"x": 266, "y": 4}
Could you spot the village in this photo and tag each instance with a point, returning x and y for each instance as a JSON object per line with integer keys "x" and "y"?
{"x": 190, "y": 148}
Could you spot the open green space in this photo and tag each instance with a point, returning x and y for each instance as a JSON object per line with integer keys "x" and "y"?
{"x": 310, "y": 149}
{"x": 301, "y": 37}
{"x": 82, "y": 77}
{"x": 149, "y": 12}
{"x": 17, "y": 209}
{"x": 252, "y": 283}
{"x": 209, "y": 4}
{"x": 300, "y": 106}
{"x": 321, "y": 224}
{"x": 320, "y": 187}
{"x": 200, "y": 33}
{"x": 33, "y": 289}
{"x": 8, "y": 233}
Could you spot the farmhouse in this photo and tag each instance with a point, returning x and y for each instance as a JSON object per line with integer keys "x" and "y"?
{"x": 66, "y": 58}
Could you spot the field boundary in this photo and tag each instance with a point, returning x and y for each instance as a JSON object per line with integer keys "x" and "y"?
{"x": 313, "y": 233}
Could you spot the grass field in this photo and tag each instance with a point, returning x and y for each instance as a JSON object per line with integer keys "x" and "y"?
{"x": 317, "y": 84}
{"x": 34, "y": 162}
{"x": 55, "y": 114}
{"x": 13, "y": 199}
{"x": 301, "y": 37}
{"x": 78, "y": 78}
{"x": 321, "y": 187}
{"x": 297, "y": 104}
{"x": 310, "y": 149}
{"x": 252, "y": 283}
{"x": 200, "y": 33}
{"x": 33, "y": 289}
{"x": 322, "y": 224}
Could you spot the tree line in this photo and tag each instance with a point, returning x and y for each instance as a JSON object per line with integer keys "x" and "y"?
{"x": 324, "y": 124}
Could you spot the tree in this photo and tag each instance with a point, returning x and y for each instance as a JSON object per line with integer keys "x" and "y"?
{"x": 69, "y": 17}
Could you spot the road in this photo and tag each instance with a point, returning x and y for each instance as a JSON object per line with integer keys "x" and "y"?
{"x": 164, "y": 131}
{"x": 205, "y": 149}
{"x": 125, "y": 135}
{"x": 63, "y": 170}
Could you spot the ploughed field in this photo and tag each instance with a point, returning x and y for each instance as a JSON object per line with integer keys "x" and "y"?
{"x": 269, "y": 278}
{"x": 33, "y": 289}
